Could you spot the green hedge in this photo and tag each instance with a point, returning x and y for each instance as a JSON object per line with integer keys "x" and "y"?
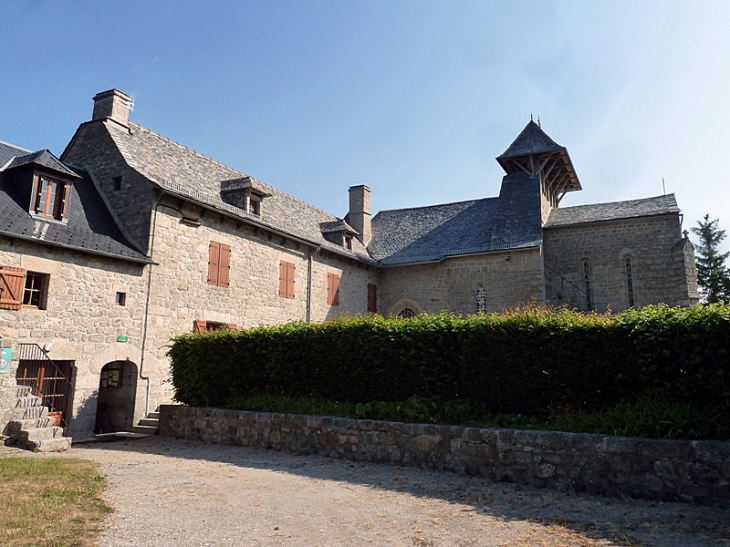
{"x": 530, "y": 362}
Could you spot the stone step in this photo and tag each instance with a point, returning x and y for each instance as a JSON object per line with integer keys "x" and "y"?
{"x": 38, "y": 433}
{"x": 149, "y": 422}
{"x": 32, "y": 412}
{"x": 28, "y": 401}
{"x": 145, "y": 429}
{"x": 34, "y": 423}
{"x": 154, "y": 415}
{"x": 49, "y": 445}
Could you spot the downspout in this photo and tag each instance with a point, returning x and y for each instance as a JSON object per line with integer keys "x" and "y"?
{"x": 146, "y": 312}
{"x": 309, "y": 283}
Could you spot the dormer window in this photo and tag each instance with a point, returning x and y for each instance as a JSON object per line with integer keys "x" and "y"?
{"x": 51, "y": 198}
{"x": 254, "y": 205}
{"x": 245, "y": 193}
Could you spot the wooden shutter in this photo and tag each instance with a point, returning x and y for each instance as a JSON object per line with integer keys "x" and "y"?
{"x": 65, "y": 190}
{"x": 372, "y": 298}
{"x": 224, "y": 266}
{"x": 199, "y": 325}
{"x": 333, "y": 289}
{"x": 213, "y": 260}
{"x": 231, "y": 326}
{"x": 12, "y": 282}
{"x": 286, "y": 279}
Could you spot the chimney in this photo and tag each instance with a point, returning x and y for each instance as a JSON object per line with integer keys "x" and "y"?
{"x": 359, "y": 215}
{"x": 113, "y": 104}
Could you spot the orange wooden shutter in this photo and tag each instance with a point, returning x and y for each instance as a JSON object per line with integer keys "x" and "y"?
{"x": 224, "y": 267}
{"x": 66, "y": 191}
{"x": 199, "y": 325}
{"x": 213, "y": 260}
{"x": 282, "y": 279}
{"x": 333, "y": 289}
{"x": 231, "y": 326}
{"x": 11, "y": 287}
{"x": 372, "y": 298}
{"x": 290, "y": 280}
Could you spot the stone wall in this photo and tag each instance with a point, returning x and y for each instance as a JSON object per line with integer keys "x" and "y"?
{"x": 697, "y": 471}
{"x": 662, "y": 269}
{"x": 509, "y": 278}
{"x": 82, "y": 319}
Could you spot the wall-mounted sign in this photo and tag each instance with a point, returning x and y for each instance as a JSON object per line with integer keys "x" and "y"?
{"x": 123, "y": 339}
{"x": 5, "y": 358}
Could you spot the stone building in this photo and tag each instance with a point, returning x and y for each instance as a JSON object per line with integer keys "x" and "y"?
{"x": 147, "y": 239}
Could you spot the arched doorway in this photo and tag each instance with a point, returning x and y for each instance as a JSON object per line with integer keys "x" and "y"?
{"x": 117, "y": 391}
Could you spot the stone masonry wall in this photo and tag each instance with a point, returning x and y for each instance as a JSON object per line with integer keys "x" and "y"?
{"x": 660, "y": 268}
{"x": 81, "y": 318}
{"x": 696, "y": 471}
{"x": 509, "y": 278}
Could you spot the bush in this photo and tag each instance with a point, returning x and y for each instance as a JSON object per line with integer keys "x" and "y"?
{"x": 528, "y": 362}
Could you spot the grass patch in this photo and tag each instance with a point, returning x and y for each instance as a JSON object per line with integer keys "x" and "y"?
{"x": 653, "y": 416}
{"x": 50, "y": 502}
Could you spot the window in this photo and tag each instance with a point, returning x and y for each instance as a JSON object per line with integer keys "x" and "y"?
{"x": 286, "y": 279}
{"x": 406, "y": 313}
{"x": 117, "y": 183}
{"x": 51, "y": 198}
{"x": 333, "y": 289}
{"x": 481, "y": 300}
{"x": 254, "y": 205}
{"x": 200, "y": 325}
{"x": 219, "y": 264}
{"x": 630, "y": 282}
{"x": 586, "y": 278}
{"x": 111, "y": 375}
{"x": 121, "y": 299}
{"x": 348, "y": 242}
{"x": 12, "y": 282}
{"x": 34, "y": 294}
{"x": 372, "y": 298}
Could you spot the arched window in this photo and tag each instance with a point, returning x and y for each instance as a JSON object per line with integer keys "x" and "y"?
{"x": 481, "y": 300}
{"x": 587, "y": 279}
{"x": 630, "y": 281}
{"x": 405, "y": 313}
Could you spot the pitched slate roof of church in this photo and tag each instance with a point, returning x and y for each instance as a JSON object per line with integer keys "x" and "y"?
{"x": 426, "y": 234}
{"x": 90, "y": 227}
{"x": 181, "y": 170}
{"x": 616, "y": 210}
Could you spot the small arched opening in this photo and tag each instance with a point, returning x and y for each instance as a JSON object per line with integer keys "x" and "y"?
{"x": 117, "y": 391}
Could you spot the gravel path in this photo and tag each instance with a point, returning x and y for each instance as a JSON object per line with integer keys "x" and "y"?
{"x": 182, "y": 493}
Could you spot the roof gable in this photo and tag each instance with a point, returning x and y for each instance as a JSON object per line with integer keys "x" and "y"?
{"x": 42, "y": 158}
{"x": 531, "y": 140}
{"x": 615, "y": 210}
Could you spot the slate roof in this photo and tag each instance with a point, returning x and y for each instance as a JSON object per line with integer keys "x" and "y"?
{"x": 90, "y": 227}
{"x": 532, "y": 140}
{"x": 428, "y": 234}
{"x": 190, "y": 174}
{"x": 44, "y": 158}
{"x": 615, "y": 210}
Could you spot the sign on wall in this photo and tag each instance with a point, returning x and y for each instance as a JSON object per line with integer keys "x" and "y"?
{"x": 5, "y": 357}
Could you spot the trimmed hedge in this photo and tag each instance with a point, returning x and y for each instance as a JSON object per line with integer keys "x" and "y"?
{"x": 530, "y": 361}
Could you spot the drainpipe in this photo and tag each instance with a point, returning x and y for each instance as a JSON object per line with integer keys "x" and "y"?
{"x": 146, "y": 312}
{"x": 309, "y": 283}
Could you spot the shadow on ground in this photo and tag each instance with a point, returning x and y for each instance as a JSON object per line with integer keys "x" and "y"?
{"x": 622, "y": 522}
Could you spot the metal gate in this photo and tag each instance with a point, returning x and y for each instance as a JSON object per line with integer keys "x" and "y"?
{"x": 52, "y": 381}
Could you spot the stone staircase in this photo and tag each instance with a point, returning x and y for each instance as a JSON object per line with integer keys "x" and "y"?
{"x": 26, "y": 423}
{"x": 149, "y": 425}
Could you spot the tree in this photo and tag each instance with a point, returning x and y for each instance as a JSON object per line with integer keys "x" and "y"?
{"x": 713, "y": 277}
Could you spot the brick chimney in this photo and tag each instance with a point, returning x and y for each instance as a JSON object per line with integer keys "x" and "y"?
{"x": 112, "y": 104}
{"x": 359, "y": 215}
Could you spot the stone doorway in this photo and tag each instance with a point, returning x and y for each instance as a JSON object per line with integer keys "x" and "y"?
{"x": 117, "y": 392}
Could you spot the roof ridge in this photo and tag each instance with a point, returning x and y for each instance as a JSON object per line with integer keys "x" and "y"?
{"x": 435, "y": 205}
{"x": 232, "y": 169}
{"x": 619, "y": 201}
{"x": 15, "y": 146}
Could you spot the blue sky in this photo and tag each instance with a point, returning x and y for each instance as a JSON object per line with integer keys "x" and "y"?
{"x": 413, "y": 98}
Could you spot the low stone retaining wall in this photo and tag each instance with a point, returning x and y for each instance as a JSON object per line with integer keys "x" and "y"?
{"x": 692, "y": 471}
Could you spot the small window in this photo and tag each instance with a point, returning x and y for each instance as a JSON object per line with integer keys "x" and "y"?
{"x": 34, "y": 294}
{"x": 219, "y": 264}
{"x": 481, "y": 300}
{"x": 111, "y": 375}
{"x": 333, "y": 289}
{"x": 587, "y": 280}
{"x": 372, "y": 298}
{"x": 348, "y": 242}
{"x": 286, "y": 279}
{"x": 51, "y": 198}
{"x": 121, "y": 299}
{"x": 117, "y": 183}
{"x": 630, "y": 282}
{"x": 254, "y": 205}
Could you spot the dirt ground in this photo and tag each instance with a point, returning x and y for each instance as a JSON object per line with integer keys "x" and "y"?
{"x": 182, "y": 493}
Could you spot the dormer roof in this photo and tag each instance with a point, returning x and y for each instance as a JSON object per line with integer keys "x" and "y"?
{"x": 42, "y": 158}
{"x": 532, "y": 140}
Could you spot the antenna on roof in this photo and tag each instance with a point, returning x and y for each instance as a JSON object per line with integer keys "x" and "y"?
{"x": 664, "y": 187}
{"x": 538, "y": 122}
{"x": 531, "y": 117}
